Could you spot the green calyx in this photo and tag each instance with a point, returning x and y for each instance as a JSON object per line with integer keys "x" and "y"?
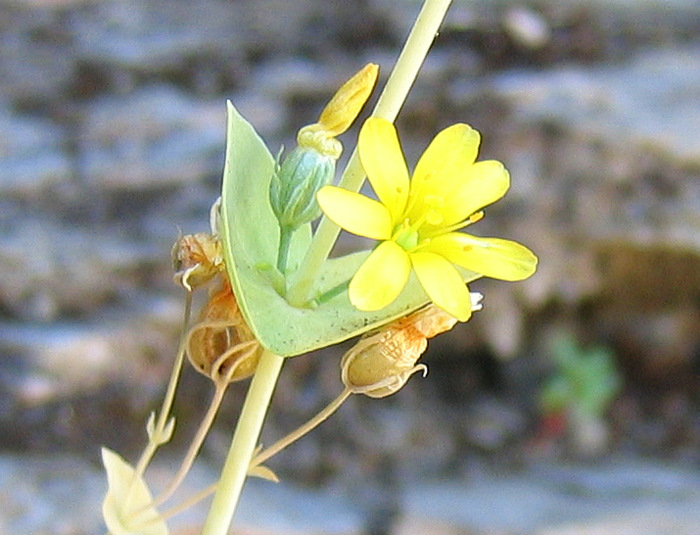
{"x": 295, "y": 183}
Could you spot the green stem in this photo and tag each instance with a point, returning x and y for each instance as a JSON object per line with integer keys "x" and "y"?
{"x": 333, "y": 292}
{"x": 245, "y": 439}
{"x": 283, "y": 252}
{"x": 388, "y": 106}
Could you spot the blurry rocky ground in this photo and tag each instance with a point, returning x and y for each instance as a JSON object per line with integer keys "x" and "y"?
{"x": 112, "y": 139}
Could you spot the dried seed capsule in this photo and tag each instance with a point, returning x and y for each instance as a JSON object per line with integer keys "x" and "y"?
{"x": 381, "y": 362}
{"x": 221, "y": 345}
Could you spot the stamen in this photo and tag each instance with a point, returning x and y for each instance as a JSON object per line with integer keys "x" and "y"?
{"x": 478, "y": 216}
{"x": 457, "y": 226}
{"x": 425, "y": 217}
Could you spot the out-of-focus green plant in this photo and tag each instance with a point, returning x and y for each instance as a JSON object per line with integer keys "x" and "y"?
{"x": 585, "y": 380}
{"x": 584, "y": 384}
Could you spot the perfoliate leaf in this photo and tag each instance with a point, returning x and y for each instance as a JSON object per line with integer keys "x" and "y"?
{"x": 250, "y": 236}
{"x": 127, "y": 506}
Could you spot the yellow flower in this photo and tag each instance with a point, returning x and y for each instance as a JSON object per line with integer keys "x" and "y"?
{"x": 416, "y": 219}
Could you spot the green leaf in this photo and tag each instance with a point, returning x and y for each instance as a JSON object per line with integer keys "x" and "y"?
{"x": 250, "y": 235}
{"x": 127, "y": 506}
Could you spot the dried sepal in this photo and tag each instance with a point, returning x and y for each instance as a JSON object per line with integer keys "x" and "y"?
{"x": 263, "y": 472}
{"x": 382, "y": 362}
{"x": 155, "y": 434}
{"x": 168, "y": 431}
{"x": 215, "y": 217}
{"x": 151, "y": 425}
{"x": 221, "y": 345}
{"x": 197, "y": 258}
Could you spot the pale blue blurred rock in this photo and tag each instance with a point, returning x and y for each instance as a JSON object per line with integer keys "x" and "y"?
{"x": 551, "y": 499}
{"x": 36, "y": 56}
{"x": 62, "y": 495}
{"x": 50, "y": 270}
{"x": 156, "y": 35}
{"x": 154, "y": 138}
{"x": 653, "y": 100}
{"x": 33, "y": 157}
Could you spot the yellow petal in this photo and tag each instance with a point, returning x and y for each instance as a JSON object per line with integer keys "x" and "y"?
{"x": 480, "y": 185}
{"x": 383, "y": 161}
{"x": 346, "y": 104}
{"x": 381, "y": 277}
{"x": 442, "y": 165}
{"x": 443, "y": 284}
{"x": 492, "y": 257}
{"x": 355, "y": 213}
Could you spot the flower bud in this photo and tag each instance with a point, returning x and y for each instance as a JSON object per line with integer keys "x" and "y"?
{"x": 295, "y": 183}
{"x": 382, "y": 362}
{"x": 311, "y": 165}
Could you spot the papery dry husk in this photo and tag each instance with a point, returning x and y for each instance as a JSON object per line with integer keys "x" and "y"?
{"x": 197, "y": 259}
{"x": 382, "y": 362}
{"x": 221, "y": 345}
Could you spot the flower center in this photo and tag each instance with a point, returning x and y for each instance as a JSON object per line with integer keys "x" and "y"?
{"x": 406, "y": 235}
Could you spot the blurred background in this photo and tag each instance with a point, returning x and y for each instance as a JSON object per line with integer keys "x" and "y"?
{"x": 568, "y": 405}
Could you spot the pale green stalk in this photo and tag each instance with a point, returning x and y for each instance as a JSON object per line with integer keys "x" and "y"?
{"x": 388, "y": 106}
{"x": 299, "y": 432}
{"x": 159, "y": 435}
{"x": 243, "y": 445}
{"x": 258, "y": 399}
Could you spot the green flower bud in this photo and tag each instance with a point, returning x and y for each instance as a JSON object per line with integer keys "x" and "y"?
{"x": 295, "y": 184}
